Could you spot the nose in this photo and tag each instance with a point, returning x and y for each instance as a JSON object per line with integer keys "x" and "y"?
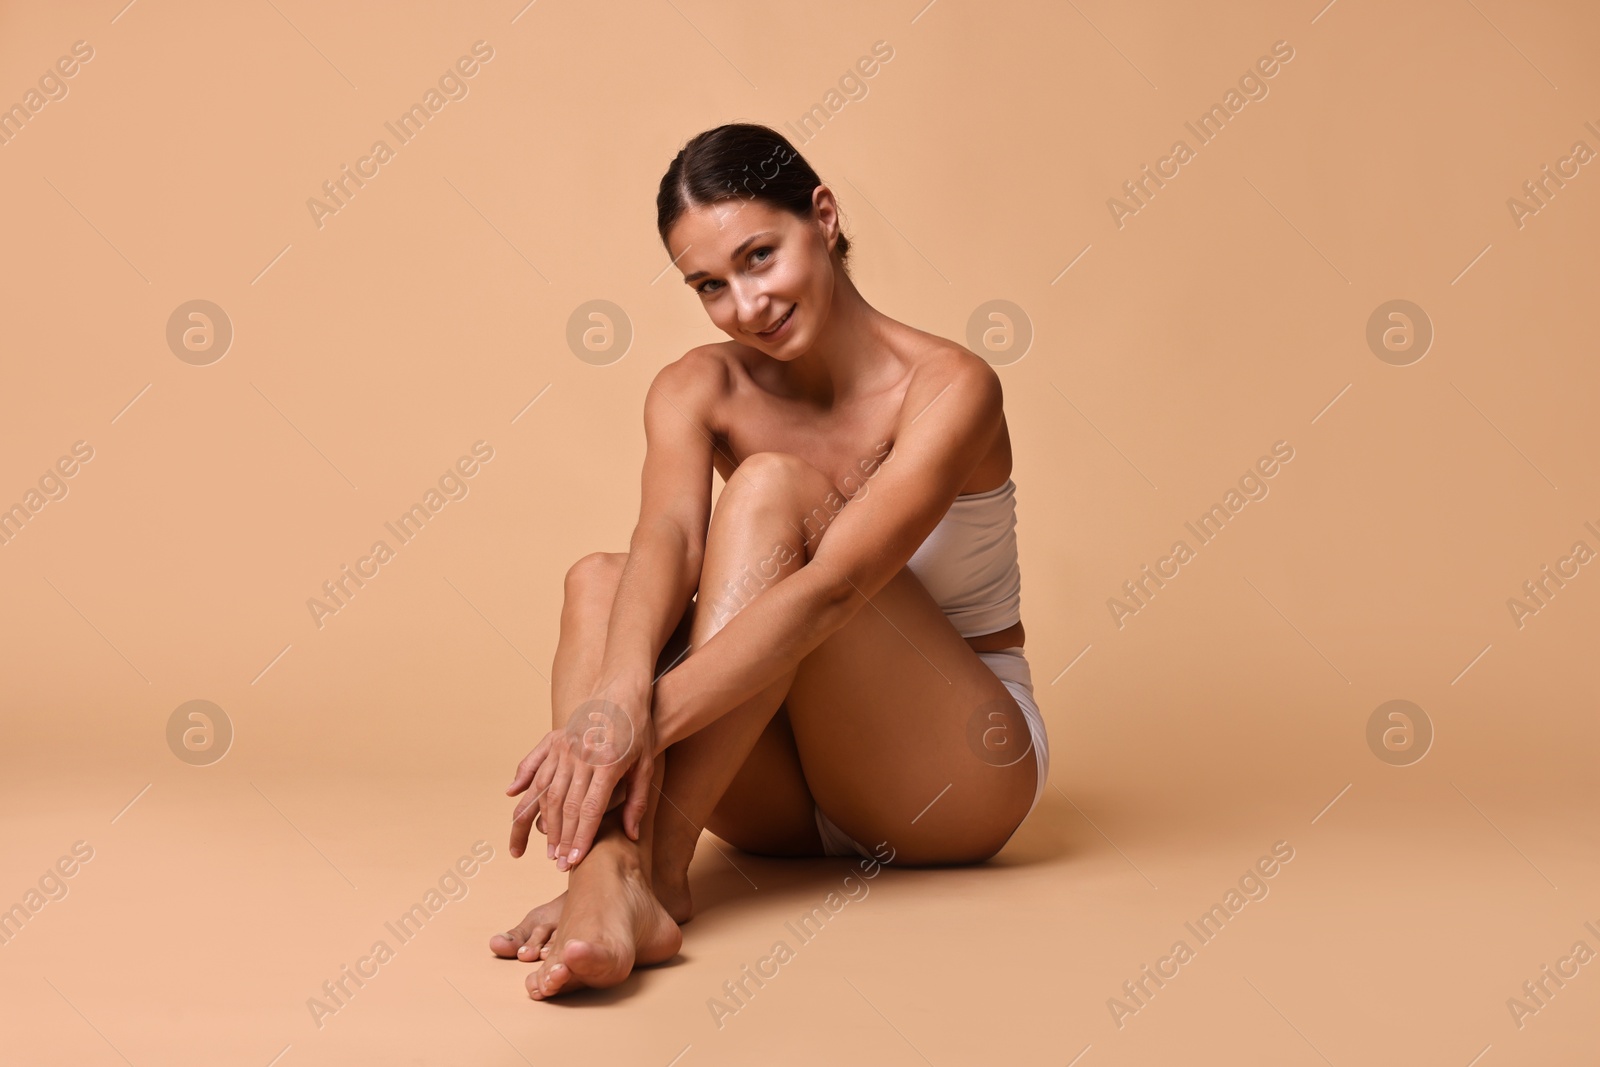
{"x": 750, "y": 305}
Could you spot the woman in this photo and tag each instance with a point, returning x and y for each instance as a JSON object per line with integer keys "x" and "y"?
{"x": 857, "y": 672}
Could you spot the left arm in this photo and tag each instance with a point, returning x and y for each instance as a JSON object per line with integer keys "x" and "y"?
{"x": 946, "y": 427}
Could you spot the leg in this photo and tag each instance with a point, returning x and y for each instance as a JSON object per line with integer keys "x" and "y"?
{"x": 589, "y": 592}
{"x": 894, "y": 717}
{"x": 584, "y": 936}
{"x": 740, "y": 776}
{"x": 849, "y": 683}
{"x": 753, "y": 515}
{"x": 772, "y": 768}
{"x": 909, "y": 739}
{"x": 756, "y": 520}
{"x": 609, "y": 919}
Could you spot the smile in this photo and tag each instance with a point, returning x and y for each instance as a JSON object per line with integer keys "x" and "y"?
{"x": 780, "y": 324}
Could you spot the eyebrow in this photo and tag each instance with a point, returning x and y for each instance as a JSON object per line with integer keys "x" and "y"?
{"x": 690, "y": 279}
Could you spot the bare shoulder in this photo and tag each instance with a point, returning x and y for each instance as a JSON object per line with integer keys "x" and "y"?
{"x": 942, "y": 370}
{"x": 703, "y": 368}
{"x": 953, "y": 401}
{"x": 693, "y": 384}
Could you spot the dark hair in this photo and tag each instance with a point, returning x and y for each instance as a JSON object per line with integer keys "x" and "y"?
{"x": 738, "y": 160}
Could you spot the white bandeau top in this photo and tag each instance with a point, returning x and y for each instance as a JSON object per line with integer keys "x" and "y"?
{"x": 969, "y": 562}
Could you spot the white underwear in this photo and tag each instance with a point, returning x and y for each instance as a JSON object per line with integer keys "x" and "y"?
{"x": 1011, "y": 667}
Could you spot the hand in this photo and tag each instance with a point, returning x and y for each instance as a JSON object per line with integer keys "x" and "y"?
{"x": 529, "y": 814}
{"x": 602, "y": 757}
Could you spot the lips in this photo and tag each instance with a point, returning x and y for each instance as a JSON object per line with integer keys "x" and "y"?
{"x": 779, "y": 324}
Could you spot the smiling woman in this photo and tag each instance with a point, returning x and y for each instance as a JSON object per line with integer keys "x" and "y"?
{"x": 795, "y": 719}
{"x": 724, "y": 179}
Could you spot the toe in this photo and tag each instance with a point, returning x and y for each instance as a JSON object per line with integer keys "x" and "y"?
{"x": 523, "y": 940}
{"x": 594, "y": 964}
{"x": 507, "y": 944}
{"x": 553, "y": 978}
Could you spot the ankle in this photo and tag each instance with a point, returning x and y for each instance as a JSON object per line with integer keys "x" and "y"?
{"x": 670, "y": 866}
{"x": 665, "y": 877}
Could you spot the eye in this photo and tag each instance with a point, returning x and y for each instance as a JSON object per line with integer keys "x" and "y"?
{"x": 703, "y": 288}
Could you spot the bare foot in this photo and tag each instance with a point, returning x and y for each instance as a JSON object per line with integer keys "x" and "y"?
{"x": 529, "y": 940}
{"x": 610, "y": 922}
{"x": 525, "y": 940}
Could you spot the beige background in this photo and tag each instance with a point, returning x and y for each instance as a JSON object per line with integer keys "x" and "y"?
{"x": 1228, "y": 314}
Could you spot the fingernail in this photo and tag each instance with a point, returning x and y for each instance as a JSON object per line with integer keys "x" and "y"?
{"x": 549, "y": 851}
{"x": 572, "y": 857}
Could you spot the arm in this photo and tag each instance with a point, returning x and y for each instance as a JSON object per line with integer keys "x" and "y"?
{"x": 662, "y": 572}
{"x": 947, "y": 424}
{"x": 668, "y": 544}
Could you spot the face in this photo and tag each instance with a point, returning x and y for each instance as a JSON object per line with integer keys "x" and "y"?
{"x": 754, "y": 267}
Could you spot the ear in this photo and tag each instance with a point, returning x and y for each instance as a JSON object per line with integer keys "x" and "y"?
{"x": 825, "y": 209}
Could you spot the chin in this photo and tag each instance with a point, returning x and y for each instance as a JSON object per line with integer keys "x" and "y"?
{"x": 792, "y": 349}
{"x": 786, "y": 348}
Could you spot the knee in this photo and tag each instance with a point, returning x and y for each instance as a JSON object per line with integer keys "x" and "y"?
{"x": 777, "y": 479}
{"x": 596, "y": 571}
{"x": 768, "y": 472}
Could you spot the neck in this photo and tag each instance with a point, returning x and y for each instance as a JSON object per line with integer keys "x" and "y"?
{"x": 839, "y": 361}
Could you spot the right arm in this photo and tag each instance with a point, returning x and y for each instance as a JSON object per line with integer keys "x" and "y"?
{"x": 662, "y": 573}
{"x": 668, "y": 544}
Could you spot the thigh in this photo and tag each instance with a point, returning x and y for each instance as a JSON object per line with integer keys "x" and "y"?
{"x": 894, "y": 717}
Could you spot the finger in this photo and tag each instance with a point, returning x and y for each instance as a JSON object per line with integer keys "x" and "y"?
{"x": 634, "y": 807}
{"x": 555, "y": 796}
{"x": 524, "y": 772}
{"x": 590, "y": 810}
{"x": 572, "y": 812}
{"x": 626, "y": 788}
{"x": 528, "y": 767}
{"x": 541, "y": 783}
{"x": 529, "y": 813}
{"x": 521, "y": 820}
{"x": 547, "y": 772}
